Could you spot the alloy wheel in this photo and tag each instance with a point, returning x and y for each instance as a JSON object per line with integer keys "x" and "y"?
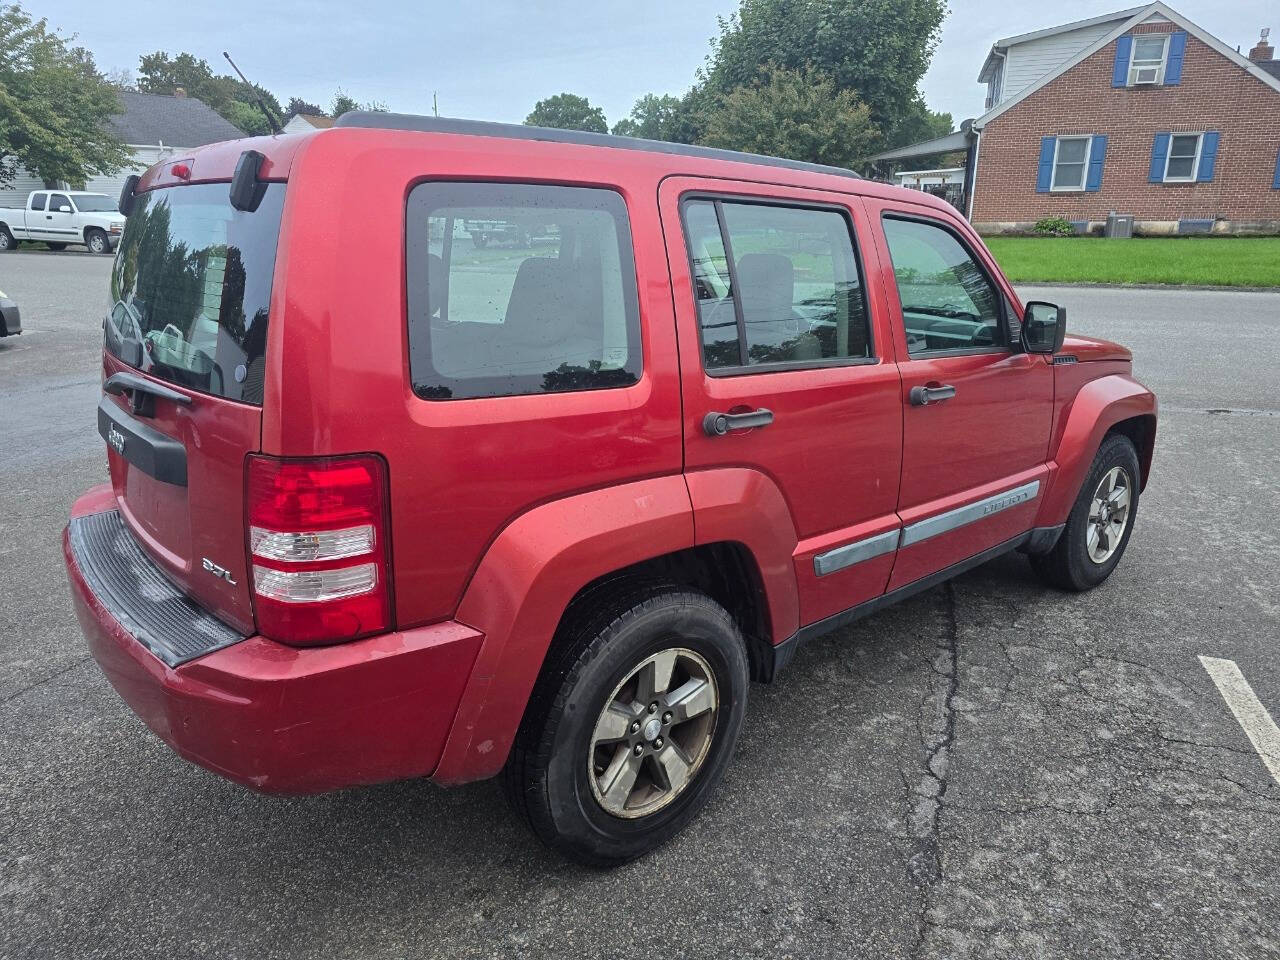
{"x": 653, "y": 734}
{"x": 1108, "y": 514}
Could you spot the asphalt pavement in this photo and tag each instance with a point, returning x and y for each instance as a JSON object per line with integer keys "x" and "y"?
{"x": 992, "y": 769}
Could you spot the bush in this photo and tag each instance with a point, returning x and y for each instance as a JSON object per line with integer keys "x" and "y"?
{"x": 1054, "y": 227}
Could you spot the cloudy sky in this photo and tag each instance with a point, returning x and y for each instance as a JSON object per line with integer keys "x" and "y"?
{"x": 492, "y": 59}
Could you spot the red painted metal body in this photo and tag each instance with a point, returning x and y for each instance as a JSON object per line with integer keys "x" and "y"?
{"x": 502, "y": 509}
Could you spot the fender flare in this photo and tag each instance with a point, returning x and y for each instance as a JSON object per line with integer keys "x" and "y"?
{"x": 1099, "y": 406}
{"x": 521, "y": 588}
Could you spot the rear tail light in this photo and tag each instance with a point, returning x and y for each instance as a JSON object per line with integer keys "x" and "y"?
{"x": 318, "y": 548}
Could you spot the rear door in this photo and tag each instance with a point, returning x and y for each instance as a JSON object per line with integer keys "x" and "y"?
{"x": 32, "y": 227}
{"x": 183, "y": 376}
{"x": 780, "y": 335}
{"x": 976, "y": 409}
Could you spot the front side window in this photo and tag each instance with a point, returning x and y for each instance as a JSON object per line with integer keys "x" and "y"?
{"x": 59, "y": 203}
{"x": 775, "y": 285}
{"x": 520, "y": 289}
{"x": 1148, "y": 61}
{"x": 1070, "y": 162}
{"x": 948, "y": 301}
{"x": 1184, "y": 157}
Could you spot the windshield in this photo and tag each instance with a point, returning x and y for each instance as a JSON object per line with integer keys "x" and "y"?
{"x": 191, "y": 287}
{"x": 95, "y": 203}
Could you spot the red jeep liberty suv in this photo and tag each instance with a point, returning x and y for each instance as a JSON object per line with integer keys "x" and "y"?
{"x": 452, "y": 449}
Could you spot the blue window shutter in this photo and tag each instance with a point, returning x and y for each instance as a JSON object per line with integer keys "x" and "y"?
{"x": 1208, "y": 156}
{"x": 1097, "y": 156}
{"x": 1044, "y": 174}
{"x": 1159, "y": 154}
{"x": 1275, "y": 183}
{"x": 1173, "y": 65}
{"x": 1120, "y": 74}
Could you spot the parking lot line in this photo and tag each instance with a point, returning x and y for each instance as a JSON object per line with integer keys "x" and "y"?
{"x": 1248, "y": 709}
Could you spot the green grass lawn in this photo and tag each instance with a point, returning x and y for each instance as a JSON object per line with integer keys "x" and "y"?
{"x": 1216, "y": 261}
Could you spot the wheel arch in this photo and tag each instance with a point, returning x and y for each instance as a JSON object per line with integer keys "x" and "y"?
{"x": 1115, "y": 403}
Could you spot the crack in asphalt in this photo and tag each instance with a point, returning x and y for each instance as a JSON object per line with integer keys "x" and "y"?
{"x": 926, "y": 796}
{"x": 39, "y": 683}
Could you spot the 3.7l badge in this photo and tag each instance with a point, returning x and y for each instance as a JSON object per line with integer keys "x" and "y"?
{"x": 116, "y": 440}
{"x": 222, "y": 573}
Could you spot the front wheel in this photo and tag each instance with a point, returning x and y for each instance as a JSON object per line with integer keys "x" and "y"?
{"x": 1098, "y": 529}
{"x": 629, "y": 732}
{"x": 97, "y": 242}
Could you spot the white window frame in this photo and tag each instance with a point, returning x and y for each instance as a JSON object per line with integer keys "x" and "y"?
{"x": 1195, "y": 161}
{"x": 1135, "y": 64}
{"x": 1084, "y": 173}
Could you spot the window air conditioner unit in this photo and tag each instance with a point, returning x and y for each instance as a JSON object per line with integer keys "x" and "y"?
{"x": 1146, "y": 76}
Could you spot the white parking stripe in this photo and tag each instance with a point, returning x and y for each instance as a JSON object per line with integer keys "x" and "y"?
{"x": 1244, "y": 703}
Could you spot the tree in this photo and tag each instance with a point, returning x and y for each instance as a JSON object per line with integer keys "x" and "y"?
{"x": 238, "y": 102}
{"x": 297, "y": 105}
{"x": 567, "y": 111}
{"x": 54, "y": 105}
{"x": 652, "y": 117}
{"x": 877, "y": 48}
{"x": 345, "y": 103}
{"x": 800, "y": 114}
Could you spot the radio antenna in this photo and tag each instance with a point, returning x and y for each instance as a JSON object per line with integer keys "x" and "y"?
{"x": 276, "y": 127}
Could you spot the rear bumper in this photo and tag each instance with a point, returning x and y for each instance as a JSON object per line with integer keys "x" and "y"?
{"x": 281, "y": 719}
{"x": 10, "y": 318}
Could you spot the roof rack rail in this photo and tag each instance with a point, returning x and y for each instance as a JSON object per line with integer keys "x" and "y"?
{"x": 516, "y": 131}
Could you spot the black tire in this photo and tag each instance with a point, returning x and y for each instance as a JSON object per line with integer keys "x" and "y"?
{"x": 55, "y": 246}
{"x": 548, "y": 778}
{"x": 7, "y": 241}
{"x": 97, "y": 242}
{"x": 1069, "y": 565}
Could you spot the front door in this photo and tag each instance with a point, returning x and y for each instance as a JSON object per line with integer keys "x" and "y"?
{"x": 788, "y": 373}
{"x": 976, "y": 409}
{"x": 58, "y": 222}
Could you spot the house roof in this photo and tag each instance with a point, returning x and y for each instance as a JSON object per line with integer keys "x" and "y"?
{"x": 952, "y": 141}
{"x": 320, "y": 123}
{"x": 152, "y": 118}
{"x": 1139, "y": 15}
{"x": 1270, "y": 66}
{"x": 1000, "y": 46}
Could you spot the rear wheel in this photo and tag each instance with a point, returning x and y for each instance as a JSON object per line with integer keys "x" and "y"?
{"x": 7, "y": 242}
{"x": 1101, "y": 521}
{"x": 629, "y": 732}
{"x": 96, "y": 241}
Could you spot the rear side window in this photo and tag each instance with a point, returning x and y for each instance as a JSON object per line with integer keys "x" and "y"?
{"x": 775, "y": 285}
{"x": 519, "y": 289}
{"x": 37, "y": 201}
{"x": 191, "y": 287}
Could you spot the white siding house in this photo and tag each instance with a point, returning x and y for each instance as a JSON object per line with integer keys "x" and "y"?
{"x": 153, "y": 127}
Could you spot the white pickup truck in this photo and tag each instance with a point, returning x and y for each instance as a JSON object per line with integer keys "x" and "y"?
{"x": 60, "y": 217}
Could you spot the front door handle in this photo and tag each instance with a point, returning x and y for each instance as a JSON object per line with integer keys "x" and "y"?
{"x": 931, "y": 393}
{"x": 718, "y": 424}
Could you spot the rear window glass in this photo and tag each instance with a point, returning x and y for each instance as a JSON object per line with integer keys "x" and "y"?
{"x": 519, "y": 289}
{"x": 191, "y": 286}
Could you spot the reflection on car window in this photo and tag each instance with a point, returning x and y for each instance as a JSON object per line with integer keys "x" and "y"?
{"x": 948, "y": 303}
{"x": 38, "y": 200}
{"x": 191, "y": 286}
{"x": 517, "y": 288}
{"x": 799, "y": 295}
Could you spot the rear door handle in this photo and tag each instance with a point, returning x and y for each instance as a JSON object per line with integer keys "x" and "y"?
{"x": 931, "y": 393}
{"x": 718, "y": 424}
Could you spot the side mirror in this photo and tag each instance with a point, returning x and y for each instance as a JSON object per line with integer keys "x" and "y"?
{"x": 1044, "y": 325}
{"x": 62, "y": 208}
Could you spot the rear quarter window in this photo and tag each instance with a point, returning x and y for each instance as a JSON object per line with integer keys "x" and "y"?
{"x": 519, "y": 289}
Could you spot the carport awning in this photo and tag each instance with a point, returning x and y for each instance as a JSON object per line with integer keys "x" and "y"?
{"x": 926, "y": 148}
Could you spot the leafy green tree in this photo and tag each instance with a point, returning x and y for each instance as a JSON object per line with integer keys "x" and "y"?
{"x": 238, "y": 102}
{"x": 800, "y": 114}
{"x": 878, "y": 49}
{"x": 652, "y": 117}
{"x": 567, "y": 111}
{"x": 342, "y": 103}
{"x": 54, "y": 105}
{"x": 297, "y": 105}
{"x": 919, "y": 123}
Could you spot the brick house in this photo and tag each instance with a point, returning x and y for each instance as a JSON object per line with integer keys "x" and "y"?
{"x": 1138, "y": 112}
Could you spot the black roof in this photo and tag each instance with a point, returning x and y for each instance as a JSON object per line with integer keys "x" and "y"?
{"x": 151, "y": 118}
{"x": 1271, "y": 66}
{"x": 517, "y": 131}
